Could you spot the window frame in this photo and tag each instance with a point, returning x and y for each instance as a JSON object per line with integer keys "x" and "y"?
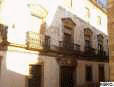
{"x": 87, "y": 12}
{"x": 99, "y": 22}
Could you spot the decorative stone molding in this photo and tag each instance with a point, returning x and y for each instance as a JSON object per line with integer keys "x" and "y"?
{"x": 68, "y": 22}
{"x": 38, "y": 10}
{"x": 88, "y": 31}
{"x": 66, "y": 61}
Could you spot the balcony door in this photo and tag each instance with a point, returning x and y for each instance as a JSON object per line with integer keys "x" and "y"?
{"x": 100, "y": 40}
{"x": 67, "y": 37}
{"x": 67, "y": 76}
{"x": 67, "y": 40}
{"x": 88, "y": 38}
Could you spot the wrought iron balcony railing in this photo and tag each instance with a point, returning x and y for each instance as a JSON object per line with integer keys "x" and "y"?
{"x": 102, "y": 53}
{"x": 40, "y": 42}
{"x": 69, "y": 47}
{"x": 92, "y": 53}
{"x": 89, "y": 52}
{"x": 37, "y": 41}
{"x": 89, "y": 49}
{"x": 66, "y": 46}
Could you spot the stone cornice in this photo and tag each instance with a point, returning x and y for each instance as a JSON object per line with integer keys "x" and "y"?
{"x": 100, "y": 8}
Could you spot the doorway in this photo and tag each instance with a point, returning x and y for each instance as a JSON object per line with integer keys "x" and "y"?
{"x": 67, "y": 76}
{"x": 35, "y": 76}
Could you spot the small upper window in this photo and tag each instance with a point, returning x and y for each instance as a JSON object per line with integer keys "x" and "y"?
{"x": 98, "y": 20}
{"x": 68, "y": 3}
{"x": 13, "y": 26}
{"x": 87, "y": 12}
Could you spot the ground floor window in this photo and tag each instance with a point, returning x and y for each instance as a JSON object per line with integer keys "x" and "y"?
{"x": 35, "y": 76}
{"x": 67, "y": 76}
{"x": 101, "y": 73}
{"x": 88, "y": 75}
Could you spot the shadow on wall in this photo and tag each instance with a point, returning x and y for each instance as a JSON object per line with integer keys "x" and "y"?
{"x": 8, "y": 78}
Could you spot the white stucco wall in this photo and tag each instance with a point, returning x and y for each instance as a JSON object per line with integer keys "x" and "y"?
{"x": 51, "y": 72}
{"x": 81, "y": 71}
{"x": 9, "y": 78}
{"x": 15, "y": 68}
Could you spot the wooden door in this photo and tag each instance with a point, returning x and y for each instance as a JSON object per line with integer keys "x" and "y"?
{"x": 67, "y": 77}
{"x": 35, "y": 76}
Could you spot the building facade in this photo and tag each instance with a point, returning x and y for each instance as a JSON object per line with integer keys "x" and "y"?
{"x": 41, "y": 46}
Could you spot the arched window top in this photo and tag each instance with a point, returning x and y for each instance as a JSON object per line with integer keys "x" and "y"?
{"x": 68, "y": 22}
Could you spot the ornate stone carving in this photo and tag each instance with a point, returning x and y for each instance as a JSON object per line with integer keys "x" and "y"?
{"x": 68, "y": 22}
{"x": 66, "y": 61}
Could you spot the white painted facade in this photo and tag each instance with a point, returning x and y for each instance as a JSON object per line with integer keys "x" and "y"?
{"x": 14, "y": 69}
{"x": 55, "y": 30}
{"x": 15, "y": 61}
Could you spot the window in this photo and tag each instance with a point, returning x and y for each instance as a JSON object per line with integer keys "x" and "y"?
{"x": 35, "y": 76}
{"x": 67, "y": 41}
{"x": 100, "y": 39}
{"x": 87, "y": 43}
{"x": 88, "y": 73}
{"x": 87, "y": 12}
{"x": 68, "y": 3}
{"x": 101, "y": 73}
{"x": 68, "y": 32}
{"x": 13, "y": 26}
{"x": 67, "y": 37}
{"x": 98, "y": 20}
{"x": 71, "y": 3}
{"x": 87, "y": 37}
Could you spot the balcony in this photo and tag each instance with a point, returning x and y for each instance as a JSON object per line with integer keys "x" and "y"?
{"x": 102, "y": 54}
{"x": 37, "y": 41}
{"x": 40, "y": 42}
{"x": 89, "y": 52}
{"x": 69, "y": 48}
